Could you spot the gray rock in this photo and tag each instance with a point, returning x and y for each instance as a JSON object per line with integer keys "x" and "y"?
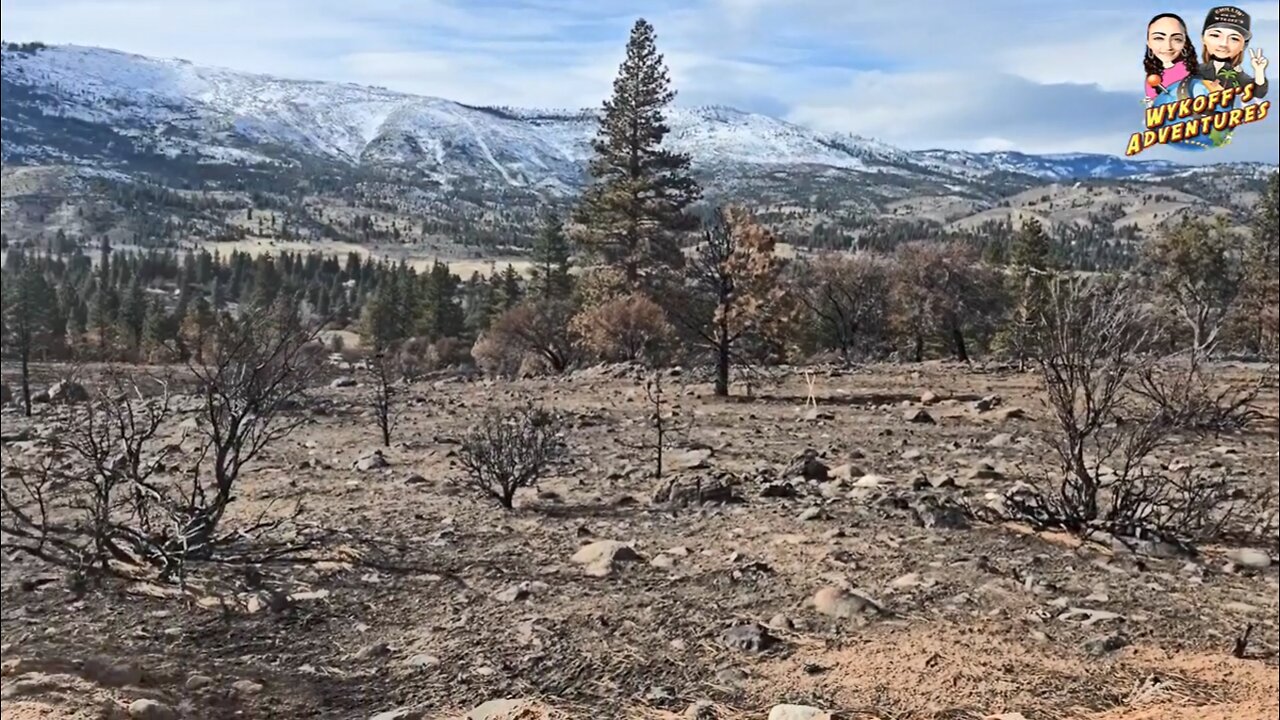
{"x": 781, "y": 622}
{"x": 343, "y": 382}
{"x": 1000, "y": 441}
{"x": 807, "y": 465}
{"x": 110, "y": 673}
{"x": 663, "y": 562}
{"x": 1105, "y": 644}
{"x": 603, "y": 557}
{"x": 415, "y": 479}
{"x": 934, "y": 514}
{"x": 919, "y": 416}
{"x": 695, "y": 459}
{"x": 838, "y": 602}
{"x": 504, "y": 709}
{"x": 798, "y": 712}
{"x": 701, "y": 710}
{"x": 984, "y": 471}
{"x": 813, "y": 513}
{"x": 373, "y": 461}
{"x": 987, "y": 403}
{"x": 146, "y": 709}
{"x": 197, "y": 681}
{"x": 928, "y": 397}
{"x": 751, "y": 637}
{"x": 421, "y": 660}
{"x": 247, "y": 687}
{"x": 1249, "y": 558}
{"x": 66, "y": 391}
{"x": 40, "y": 396}
{"x": 401, "y": 714}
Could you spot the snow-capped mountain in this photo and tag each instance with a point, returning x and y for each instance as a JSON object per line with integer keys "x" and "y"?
{"x": 104, "y": 108}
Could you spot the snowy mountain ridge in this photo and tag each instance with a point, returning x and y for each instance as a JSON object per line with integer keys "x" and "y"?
{"x": 60, "y": 101}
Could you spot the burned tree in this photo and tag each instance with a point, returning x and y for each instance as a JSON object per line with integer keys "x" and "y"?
{"x": 118, "y": 495}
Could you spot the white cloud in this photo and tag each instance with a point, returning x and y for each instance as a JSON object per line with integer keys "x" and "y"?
{"x": 1002, "y": 74}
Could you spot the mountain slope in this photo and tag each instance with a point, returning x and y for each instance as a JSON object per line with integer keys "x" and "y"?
{"x": 59, "y": 102}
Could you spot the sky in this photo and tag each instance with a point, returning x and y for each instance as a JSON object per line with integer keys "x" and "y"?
{"x": 1037, "y": 77}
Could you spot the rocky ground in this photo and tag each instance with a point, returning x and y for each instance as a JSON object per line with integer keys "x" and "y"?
{"x": 857, "y": 572}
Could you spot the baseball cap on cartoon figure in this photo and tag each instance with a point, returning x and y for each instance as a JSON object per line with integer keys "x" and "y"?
{"x": 1232, "y": 18}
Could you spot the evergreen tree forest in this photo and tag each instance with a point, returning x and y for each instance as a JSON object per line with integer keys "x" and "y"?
{"x": 641, "y": 270}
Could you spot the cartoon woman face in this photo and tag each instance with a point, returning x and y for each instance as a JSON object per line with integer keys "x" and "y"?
{"x": 1223, "y": 43}
{"x": 1166, "y": 37}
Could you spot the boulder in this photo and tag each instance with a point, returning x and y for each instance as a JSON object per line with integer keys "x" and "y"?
{"x": 836, "y": 602}
{"x": 602, "y": 557}
{"x": 932, "y": 513}
{"x": 807, "y": 465}
{"x": 798, "y": 712}
{"x": 928, "y": 397}
{"x": 66, "y": 391}
{"x": 145, "y": 709}
{"x": 1249, "y": 558}
{"x": 372, "y": 461}
{"x": 345, "y": 381}
{"x": 680, "y": 492}
{"x": 919, "y": 416}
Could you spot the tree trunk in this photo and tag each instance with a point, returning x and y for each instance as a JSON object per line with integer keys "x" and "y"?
{"x": 722, "y": 367}
{"x": 26, "y": 379}
{"x": 919, "y": 348}
{"x": 957, "y": 338}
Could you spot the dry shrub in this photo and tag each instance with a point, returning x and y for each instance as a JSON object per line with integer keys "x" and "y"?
{"x": 507, "y": 450}
{"x": 1091, "y": 360}
{"x": 627, "y": 328}
{"x": 537, "y": 327}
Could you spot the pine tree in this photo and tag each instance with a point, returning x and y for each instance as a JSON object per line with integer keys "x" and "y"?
{"x": 550, "y": 272}
{"x": 1027, "y": 281}
{"x": 133, "y": 309}
{"x": 635, "y": 206}
{"x": 441, "y": 314}
{"x": 1261, "y": 289}
{"x": 27, "y": 299}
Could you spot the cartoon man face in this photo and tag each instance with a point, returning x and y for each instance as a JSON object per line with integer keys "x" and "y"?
{"x": 1166, "y": 38}
{"x": 1223, "y": 43}
{"x": 1226, "y": 32}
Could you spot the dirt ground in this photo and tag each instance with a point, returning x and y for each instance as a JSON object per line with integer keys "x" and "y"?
{"x": 437, "y": 601}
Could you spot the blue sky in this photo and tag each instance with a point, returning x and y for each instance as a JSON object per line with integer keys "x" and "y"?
{"x": 1001, "y": 74}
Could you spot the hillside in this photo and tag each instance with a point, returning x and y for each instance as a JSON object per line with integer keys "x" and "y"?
{"x": 97, "y": 141}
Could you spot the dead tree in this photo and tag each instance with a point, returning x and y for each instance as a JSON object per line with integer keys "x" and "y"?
{"x": 385, "y": 405}
{"x": 114, "y": 493}
{"x": 663, "y": 422}
{"x": 1093, "y": 342}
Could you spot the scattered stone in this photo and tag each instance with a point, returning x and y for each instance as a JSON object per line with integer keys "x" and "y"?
{"x": 781, "y": 622}
{"x": 1087, "y": 617}
{"x": 1000, "y": 441}
{"x": 197, "y": 681}
{"x": 928, "y": 397}
{"x": 415, "y": 479}
{"x": 919, "y": 416}
{"x": 695, "y": 459}
{"x": 602, "y": 557}
{"x": 1010, "y": 413}
{"x": 343, "y": 382}
{"x": 373, "y": 461}
{"x": 662, "y": 562}
{"x": 400, "y": 714}
{"x": 932, "y": 513}
{"x": 778, "y": 489}
{"x": 751, "y": 637}
{"x": 912, "y": 454}
{"x": 987, "y": 403}
{"x": 112, "y": 674}
{"x": 66, "y": 391}
{"x": 984, "y": 471}
{"x": 683, "y": 492}
{"x": 145, "y": 709}
{"x": 422, "y": 660}
{"x": 807, "y": 465}
{"x": 249, "y": 687}
{"x": 1105, "y": 644}
{"x": 505, "y": 709}
{"x": 679, "y": 551}
{"x": 814, "y": 413}
{"x": 843, "y": 604}
{"x": 701, "y": 710}
{"x": 798, "y": 712}
{"x": 845, "y": 472}
{"x": 872, "y": 481}
{"x": 1249, "y": 558}
{"x": 813, "y": 513}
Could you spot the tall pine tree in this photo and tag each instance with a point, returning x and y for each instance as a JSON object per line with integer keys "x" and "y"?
{"x": 634, "y": 210}
{"x": 550, "y": 271}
